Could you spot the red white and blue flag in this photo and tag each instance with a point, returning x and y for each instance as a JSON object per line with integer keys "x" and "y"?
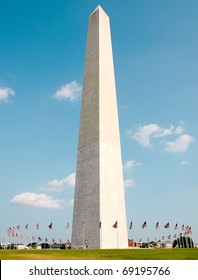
{"x": 37, "y": 226}
{"x": 157, "y": 225}
{"x": 167, "y": 225}
{"x": 67, "y": 225}
{"x": 116, "y": 224}
{"x": 50, "y": 226}
{"x": 176, "y": 227}
{"x": 144, "y": 225}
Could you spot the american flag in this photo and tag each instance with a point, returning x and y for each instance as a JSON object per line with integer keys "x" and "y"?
{"x": 116, "y": 224}
{"x": 175, "y": 236}
{"x": 83, "y": 224}
{"x": 39, "y": 239}
{"x": 67, "y": 225}
{"x": 157, "y": 225}
{"x": 26, "y": 227}
{"x": 50, "y": 226}
{"x": 37, "y": 226}
{"x": 169, "y": 236}
{"x": 176, "y": 227}
{"x": 144, "y": 225}
{"x": 183, "y": 227}
{"x": 167, "y": 225}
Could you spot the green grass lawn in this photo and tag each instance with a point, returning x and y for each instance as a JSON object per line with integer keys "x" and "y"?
{"x": 116, "y": 254}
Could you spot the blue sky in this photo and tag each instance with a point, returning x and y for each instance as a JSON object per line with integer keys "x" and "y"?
{"x": 42, "y": 51}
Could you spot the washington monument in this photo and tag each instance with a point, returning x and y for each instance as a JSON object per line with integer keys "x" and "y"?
{"x": 99, "y": 217}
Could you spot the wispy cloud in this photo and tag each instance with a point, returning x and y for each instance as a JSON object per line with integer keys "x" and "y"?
{"x": 70, "y": 203}
{"x": 6, "y": 93}
{"x": 184, "y": 162}
{"x": 180, "y": 145}
{"x": 195, "y": 190}
{"x": 38, "y": 200}
{"x": 71, "y": 91}
{"x": 58, "y": 185}
{"x": 145, "y": 134}
{"x": 129, "y": 183}
{"x": 131, "y": 164}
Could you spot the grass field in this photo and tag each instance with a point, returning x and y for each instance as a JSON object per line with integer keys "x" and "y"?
{"x": 127, "y": 254}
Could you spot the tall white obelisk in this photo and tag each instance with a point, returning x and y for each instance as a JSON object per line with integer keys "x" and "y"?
{"x": 99, "y": 201}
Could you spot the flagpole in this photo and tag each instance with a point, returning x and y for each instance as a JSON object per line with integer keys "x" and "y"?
{"x": 66, "y": 239}
{"x": 182, "y": 241}
{"x": 14, "y": 240}
{"x": 50, "y": 227}
{"x": 83, "y": 238}
{"x": 147, "y": 235}
{"x": 159, "y": 234}
{"x": 146, "y": 231}
{"x": 132, "y": 237}
{"x": 117, "y": 236}
{"x": 38, "y": 235}
{"x": 51, "y": 238}
{"x": 9, "y": 241}
{"x": 132, "y": 233}
{"x": 6, "y": 240}
{"x": 170, "y": 235}
{"x": 83, "y": 235}
{"x": 27, "y": 235}
{"x": 100, "y": 229}
{"x": 177, "y": 235}
{"x": 177, "y": 240}
{"x": 192, "y": 237}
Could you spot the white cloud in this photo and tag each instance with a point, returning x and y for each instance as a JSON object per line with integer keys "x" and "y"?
{"x": 37, "y": 200}
{"x": 184, "y": 162}
{"x": 145, "y": 134}
{"x": 6, "y": 93}
{"x": 163, "y": 132}
{"x": 181, "y": 144}
{"x": 142, "y": 136}
{"x": 179, "y": 130}
{"x": 71, "y": 91}
{"x": 58, "y": 185}
{"x": 129, "y": 183}
{"x": 130, "y": 164}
